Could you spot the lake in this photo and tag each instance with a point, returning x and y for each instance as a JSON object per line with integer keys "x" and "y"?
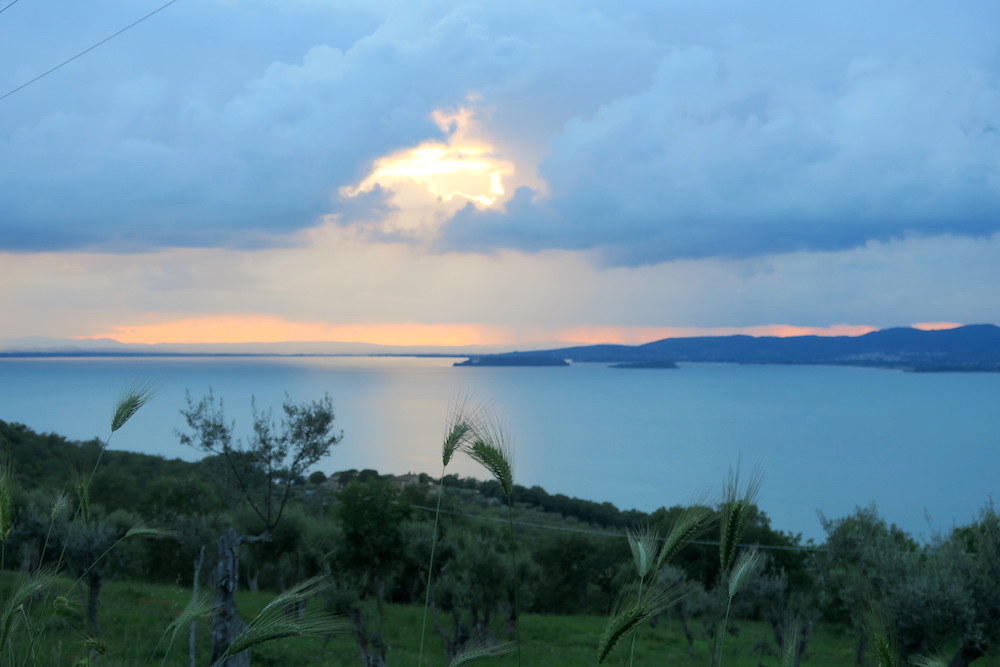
{"x": 925, "y": 447}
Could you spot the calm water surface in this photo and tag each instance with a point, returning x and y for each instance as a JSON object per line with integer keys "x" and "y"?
{"x": 924, "y": 447}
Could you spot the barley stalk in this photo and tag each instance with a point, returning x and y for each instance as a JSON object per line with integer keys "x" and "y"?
{"x": 630, "y": 609}
{"x": 480, "y": 646}
{"x": 490, "y": 447}
{"x": 791, "y": 638}
{"x": 460, "y": 429}
{"x": 132, "y": 398}
{"x": 746, "y": 563}
{"x": 26, "y": 588}
{"x": 737, "y": 509}
{"x": 879, "y": 633}
{"x": 196, "y": 608}
{"x": 692, "y": 522}
{"x": 644, "y": 543}
{"x": 273, "y": 623}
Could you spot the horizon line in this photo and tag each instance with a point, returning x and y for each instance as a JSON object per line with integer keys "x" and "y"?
{"x": 762, "y": 331}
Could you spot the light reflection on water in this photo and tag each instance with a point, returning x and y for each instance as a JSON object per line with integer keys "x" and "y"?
{"x": 828, "y": 438}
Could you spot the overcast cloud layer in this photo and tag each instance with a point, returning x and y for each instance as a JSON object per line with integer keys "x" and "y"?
{"x": 258, "y": 170}
{"x": 664, "y": 130}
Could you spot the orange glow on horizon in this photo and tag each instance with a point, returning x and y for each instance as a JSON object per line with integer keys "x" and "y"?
{"x": 262, "y": 328}
{"x": 273, "y": 329}
{"x": 936, "y": 326}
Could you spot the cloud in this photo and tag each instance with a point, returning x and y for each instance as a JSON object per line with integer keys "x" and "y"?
{"x": 659, "y": 131}
{"x": 176, "y": 152}
{"x": 715, "y": 160}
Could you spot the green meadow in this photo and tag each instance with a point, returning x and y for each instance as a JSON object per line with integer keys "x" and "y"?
{"x": 134, "y": 616}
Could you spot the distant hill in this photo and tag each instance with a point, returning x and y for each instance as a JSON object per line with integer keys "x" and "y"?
{"x": 513, "y": 360}
{"x": 969, "y": 348}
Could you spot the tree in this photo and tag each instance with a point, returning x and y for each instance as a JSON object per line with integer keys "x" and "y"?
{"x": 981, "y": 567}
{"x": 693, "y": 601}
{"x": 864, "y": 559}
{"x": 580, "y": 572}
{"x": 262, "y": 470}
{"x": 371, "y": 554}
{"x": 265, "y": 466}
{"x": 473, "y": 585}
{"x": 951, "y": 594}
{"x": 90, "y": 550}
{"x": 790, "y": 613}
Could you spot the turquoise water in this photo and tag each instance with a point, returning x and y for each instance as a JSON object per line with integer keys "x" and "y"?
{"x": 924, "y": 447}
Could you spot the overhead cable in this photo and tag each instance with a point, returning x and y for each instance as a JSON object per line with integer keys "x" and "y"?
{"x": 7, "y": 6}
{"x": 604, "y": 533}
{"x": 87, "y": 50}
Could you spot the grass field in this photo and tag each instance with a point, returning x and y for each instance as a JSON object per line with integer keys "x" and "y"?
{"x": 134, "y": 616}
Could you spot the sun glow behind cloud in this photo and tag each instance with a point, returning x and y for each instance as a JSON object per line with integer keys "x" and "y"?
{"x": 447, "y": 172}
{"x": 464, "y": 168}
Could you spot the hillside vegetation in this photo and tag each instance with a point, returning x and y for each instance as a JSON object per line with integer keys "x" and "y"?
{"x": 545, "y": 568}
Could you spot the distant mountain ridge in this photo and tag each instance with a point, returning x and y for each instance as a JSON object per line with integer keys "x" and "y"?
{"x": 972, "y": 347}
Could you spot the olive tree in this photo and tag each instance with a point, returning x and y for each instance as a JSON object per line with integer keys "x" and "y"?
{"x": 952, "y": 596}
{"x": 261, "y": 469}
{"x": 864, "y": 558}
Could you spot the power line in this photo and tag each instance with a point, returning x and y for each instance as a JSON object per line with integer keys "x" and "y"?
{"x": 7, "y": 6}
{"x": 603, "y": 533}
{"x": 85, "y": 51}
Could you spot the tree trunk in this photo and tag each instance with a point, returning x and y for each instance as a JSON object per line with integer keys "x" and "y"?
{"x": 372, "y": 647}
{"x": 227, "y": 624}
{"x": 687, "y": 634}
{"x": 859, "y": 655}
{"x": 451, "y": 642}
{"x": 30, "y": 555}
{"x": 966, "y": 653}
{"x": 510, "y": 624}
{"x": 804, "y": 637}
{"x": 94, "y": 580}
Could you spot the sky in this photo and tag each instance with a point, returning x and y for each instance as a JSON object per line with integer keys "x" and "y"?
{"x": 497, "y": 173}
